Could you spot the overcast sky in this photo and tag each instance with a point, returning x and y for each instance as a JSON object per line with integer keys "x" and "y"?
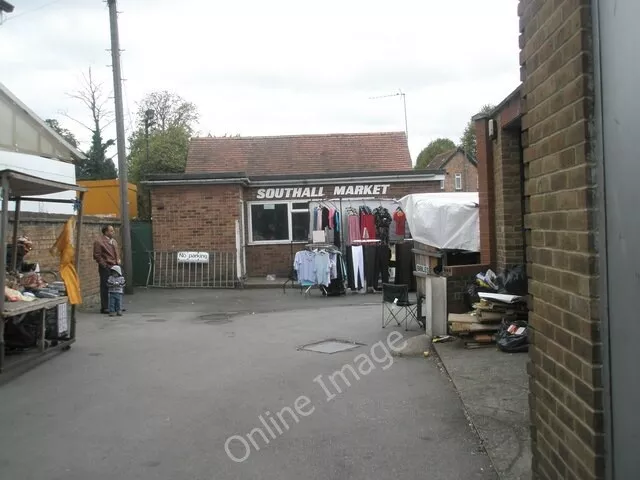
{"x": 256, "y": 67}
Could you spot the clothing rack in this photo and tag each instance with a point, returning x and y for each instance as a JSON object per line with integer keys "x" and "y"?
{"x": 340, "y": 270}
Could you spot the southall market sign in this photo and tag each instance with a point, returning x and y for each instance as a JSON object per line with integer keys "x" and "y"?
{"x": 319, "y": 192}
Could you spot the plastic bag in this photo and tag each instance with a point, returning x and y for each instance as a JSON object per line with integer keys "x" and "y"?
{"x": 513, "y": 281}
{"x": 514, "y": 337}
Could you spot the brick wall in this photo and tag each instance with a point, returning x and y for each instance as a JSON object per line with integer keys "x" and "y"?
{"x": 565, "y": 371}
{"x": 44, "y": 229}
{"x": 507, "y": 165}
{"x": 461, "y": 164}
{"x": 195, "y": 218}
{"x": 264, "y": 260}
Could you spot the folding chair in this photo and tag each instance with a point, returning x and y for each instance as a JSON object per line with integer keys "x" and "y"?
{"x": 396, "y": 305}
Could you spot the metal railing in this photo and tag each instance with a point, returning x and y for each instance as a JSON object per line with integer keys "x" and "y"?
{"x": 171, "y": 270}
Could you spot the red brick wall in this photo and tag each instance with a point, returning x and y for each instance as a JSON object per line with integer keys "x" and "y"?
{"x": 460, "y": 164}
{"x": 197, "y": 218}
{"x": 44, "y": 229}
{"x": 565, "y": 371}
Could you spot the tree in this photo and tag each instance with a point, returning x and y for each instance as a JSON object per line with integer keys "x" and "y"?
{"x": 161, "y": 142}
{"x": 468, "y": 139}
{"x": 63, "y": 132}
{"x": 436, "y": 147}
{"x": 98, "y": 165}
{"x": 169, "y": 110}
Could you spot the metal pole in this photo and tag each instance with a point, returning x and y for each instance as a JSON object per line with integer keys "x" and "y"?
{"x": 4, "y": 225}
{"x": 406, "y": 125}
{"x": 120, "y": 140}
{"x": 78, "y": 243}
{"x": 16, "y": 223}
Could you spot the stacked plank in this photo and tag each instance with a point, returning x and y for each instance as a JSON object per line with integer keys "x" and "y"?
{"x": 479, "y": 327}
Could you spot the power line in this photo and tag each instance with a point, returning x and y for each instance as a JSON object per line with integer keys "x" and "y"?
{"x": 25, "y": 12}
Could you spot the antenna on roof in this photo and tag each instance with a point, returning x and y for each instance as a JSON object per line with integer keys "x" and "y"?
{"x": 404, "y": 102}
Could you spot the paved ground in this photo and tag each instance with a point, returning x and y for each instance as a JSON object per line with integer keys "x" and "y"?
{"x": 494, "y": 389}
{"x": 155, "y": 395}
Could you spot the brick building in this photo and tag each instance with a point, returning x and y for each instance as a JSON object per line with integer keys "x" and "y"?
{"x": 230, "y": 183}
{"x": 460, "y": 171}
{"x": 542, "y": 154}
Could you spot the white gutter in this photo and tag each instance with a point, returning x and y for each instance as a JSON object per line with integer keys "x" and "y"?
{"x": 348, "y": 180}
{"x": 201, "y": 181}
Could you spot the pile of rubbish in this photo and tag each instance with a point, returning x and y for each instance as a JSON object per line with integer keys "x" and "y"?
{"x": 498, "y": 312}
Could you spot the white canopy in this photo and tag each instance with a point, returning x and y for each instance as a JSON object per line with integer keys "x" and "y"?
{"x": 444, "y": 220}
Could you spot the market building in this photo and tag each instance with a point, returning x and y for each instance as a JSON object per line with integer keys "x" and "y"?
{"x": 252, "y": 197}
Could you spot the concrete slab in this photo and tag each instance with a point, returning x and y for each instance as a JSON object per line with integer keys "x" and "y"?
{"x": 494, "y": 389}
{"x": 137, "y": 398}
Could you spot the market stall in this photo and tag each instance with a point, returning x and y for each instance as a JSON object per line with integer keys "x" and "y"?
{"x": 35, "y": 298}
{"x": 445, "y": 229}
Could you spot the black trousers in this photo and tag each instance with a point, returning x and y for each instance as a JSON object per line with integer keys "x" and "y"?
{"x": 104, "y": 290}
{"x": 405, "y": 265}
{"x": 376, "y": 264}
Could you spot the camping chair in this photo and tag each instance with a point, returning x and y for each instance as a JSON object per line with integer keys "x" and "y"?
{"x": 396, "y": 305}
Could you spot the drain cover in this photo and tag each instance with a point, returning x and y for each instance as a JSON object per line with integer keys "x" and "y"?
{"x": 215, "y": 318}
{"x": 156, "y": 320}
{"x": 331, "y": 346}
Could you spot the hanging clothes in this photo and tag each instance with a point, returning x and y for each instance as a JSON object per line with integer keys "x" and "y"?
{"x": 325, "y": 218}
{"x": 64, "y": 249}
{"x": 354, "y": 228}
{"x": 337, "y": 230}
{"x": 400, "y": 220}
{"x": 367, "y": 226}
{"x": 383, "y": 221}
{"x": 405, "y": 265}
{"x": 355, "y": 267}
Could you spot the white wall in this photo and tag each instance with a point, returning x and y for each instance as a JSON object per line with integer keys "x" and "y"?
{"x": 48, "y": 169}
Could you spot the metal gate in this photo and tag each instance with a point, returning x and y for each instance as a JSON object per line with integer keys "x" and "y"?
{"x": 141, "y": 247}
{"x": 193, "y": 270}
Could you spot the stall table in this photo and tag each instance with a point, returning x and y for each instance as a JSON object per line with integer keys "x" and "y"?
{"x": 16, "y": 186}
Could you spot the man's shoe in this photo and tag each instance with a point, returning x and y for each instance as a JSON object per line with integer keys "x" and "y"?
{"x": 104, "y": 312}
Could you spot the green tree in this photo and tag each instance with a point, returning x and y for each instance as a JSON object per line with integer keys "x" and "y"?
{"x": 468, "y": 139}
{"x": 63, "y": 132}
{"x": 436, "y": 147}
{"x": 98, "y": 165}
{"x": 161, "y": 142}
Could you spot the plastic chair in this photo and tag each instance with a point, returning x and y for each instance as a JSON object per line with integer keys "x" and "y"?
{"x": 397, "y": 306}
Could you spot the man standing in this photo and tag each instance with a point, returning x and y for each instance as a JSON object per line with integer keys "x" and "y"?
{"x": 105, "y": 252}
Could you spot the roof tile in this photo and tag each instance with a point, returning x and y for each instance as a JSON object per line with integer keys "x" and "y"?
{"x": 300, "y": 154}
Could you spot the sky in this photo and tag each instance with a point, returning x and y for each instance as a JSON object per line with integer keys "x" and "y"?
{"x": 272, "y": 68}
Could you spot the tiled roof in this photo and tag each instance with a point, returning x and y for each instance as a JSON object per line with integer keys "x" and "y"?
{"x": 439, "y": 161}
{"x": 300, "y": 154}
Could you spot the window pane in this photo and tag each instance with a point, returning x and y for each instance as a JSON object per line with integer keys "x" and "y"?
{"x": 300, "y": 222}
{"x": 300, "y": 206}
{"x": 270, "y": 222}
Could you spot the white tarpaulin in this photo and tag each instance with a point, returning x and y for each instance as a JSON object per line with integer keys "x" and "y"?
{"x": 444, "y": 220}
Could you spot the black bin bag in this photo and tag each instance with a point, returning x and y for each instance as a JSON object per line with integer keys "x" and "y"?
{"x": 514, "y": 337}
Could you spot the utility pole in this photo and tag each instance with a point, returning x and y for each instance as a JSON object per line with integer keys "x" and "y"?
{"x": 120, "y": 142}
{"x": 404, "y": 103}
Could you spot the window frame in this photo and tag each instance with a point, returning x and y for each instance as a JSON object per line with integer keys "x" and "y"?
{"x": 290, "y": 212}
{"x": 458, "y": 180}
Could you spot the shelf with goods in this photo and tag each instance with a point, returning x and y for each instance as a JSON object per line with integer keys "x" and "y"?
{"x": 18, "y": 187}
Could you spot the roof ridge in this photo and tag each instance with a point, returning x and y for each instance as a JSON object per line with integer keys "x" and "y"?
{"x": 303, "y": 135}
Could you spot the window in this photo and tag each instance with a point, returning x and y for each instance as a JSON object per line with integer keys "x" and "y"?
{"x": 458, "y": 181}
{"x": 281, "y": 222}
